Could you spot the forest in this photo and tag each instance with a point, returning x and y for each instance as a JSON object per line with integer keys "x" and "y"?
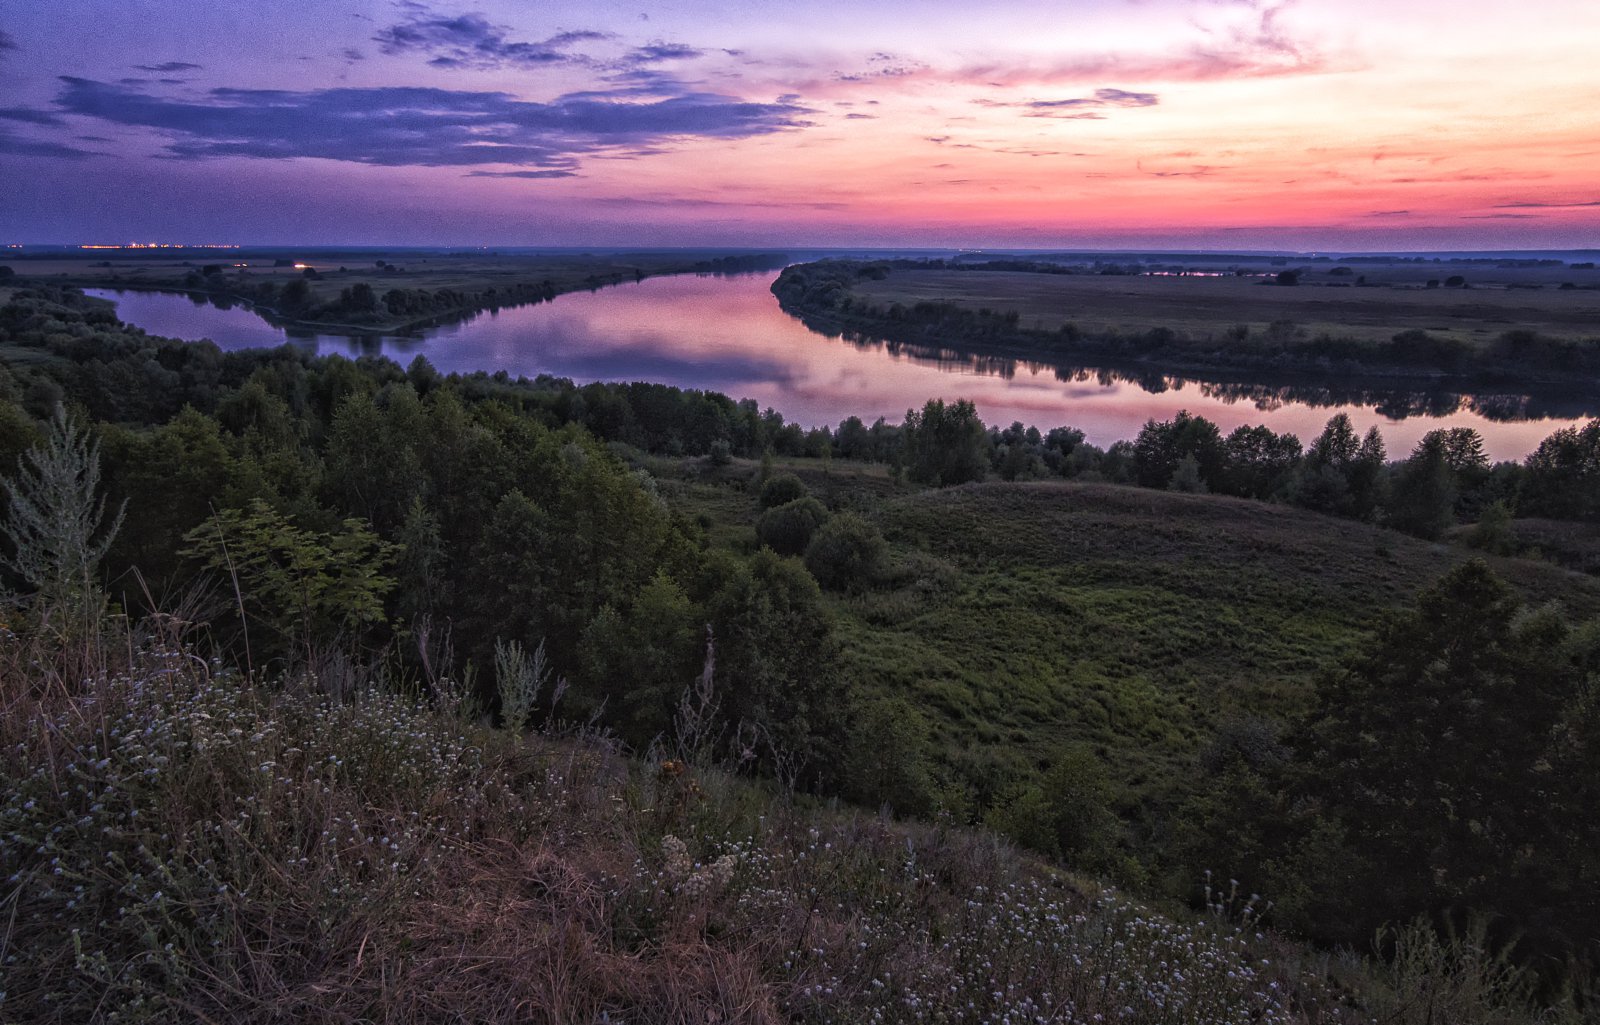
{"x": 703, "y": 583}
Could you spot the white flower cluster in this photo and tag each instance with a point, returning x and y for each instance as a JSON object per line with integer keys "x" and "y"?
{"x": 693, "y": 880}
{"x": 164, "y": 811}
{"x": 877, "y": 937}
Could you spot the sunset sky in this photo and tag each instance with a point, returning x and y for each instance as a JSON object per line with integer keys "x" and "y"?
{"x": 1263, "y": 124}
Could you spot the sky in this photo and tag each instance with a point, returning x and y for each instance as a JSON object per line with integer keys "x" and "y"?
{"x": 1187, "y": 124}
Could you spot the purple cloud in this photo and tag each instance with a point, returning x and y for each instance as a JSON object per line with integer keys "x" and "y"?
{"x": 1547, "y": 206}
{"x": 12, "y": 145}
{"x": 658, "y": 51}
{"x": 29, "y": 117}
{"x": 1101, "y": 98}
{"x": 550, "y": 173}
{"x": 405, "y": 126}
{"x": 1078, "y": 108}
{"x": 472, "y": 41}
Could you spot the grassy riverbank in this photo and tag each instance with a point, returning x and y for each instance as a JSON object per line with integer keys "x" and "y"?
{"x": 373, "y": 291}
{"x": 1510, "y": 333}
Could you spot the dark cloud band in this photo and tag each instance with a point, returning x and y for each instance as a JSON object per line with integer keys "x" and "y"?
{"x": 422, "y": 126}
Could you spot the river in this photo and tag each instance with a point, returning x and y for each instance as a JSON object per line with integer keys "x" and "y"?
{"x": 727, "y": 334}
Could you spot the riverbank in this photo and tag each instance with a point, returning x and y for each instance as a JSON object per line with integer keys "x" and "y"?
{"x": 1496, "y": 339}
{"x": 384, "y": 294}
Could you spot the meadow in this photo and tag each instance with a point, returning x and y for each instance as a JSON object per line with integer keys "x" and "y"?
{"x": 1392, "y": 299}
{"x": 1016, "y": 621}
{"x": 1470, "y": 324}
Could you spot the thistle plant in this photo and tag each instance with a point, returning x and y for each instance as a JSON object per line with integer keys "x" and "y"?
{"x": 55, "y": 516}
{"x": 519, "y": 678}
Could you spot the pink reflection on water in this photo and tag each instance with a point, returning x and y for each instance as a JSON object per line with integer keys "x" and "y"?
{"x": 729, "y": 335}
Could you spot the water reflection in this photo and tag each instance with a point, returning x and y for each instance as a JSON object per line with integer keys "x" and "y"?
{"x": 726, "y": 333}
{"x": 1391, "y": 403}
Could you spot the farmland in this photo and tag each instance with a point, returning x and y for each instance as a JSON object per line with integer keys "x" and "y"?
{"x": 1392, "y": 302}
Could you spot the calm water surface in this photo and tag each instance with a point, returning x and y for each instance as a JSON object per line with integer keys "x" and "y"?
{"x": 727, "y": 334}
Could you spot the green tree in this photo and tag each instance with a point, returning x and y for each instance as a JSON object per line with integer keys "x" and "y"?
{"x": 1258, "y": 462}
{"x": 1443, "y": 752}
{"x": 945, "y": 445}
{"x": 1342, "y": 475}
{"x": 168, "y": 479}
{"x": 1563, "y": 475}
{"x": 1065, "y": 814}
{"x": 1186, "y": 478}
{"x": 636, "y": 660}
{"x": 295, "y": 297}
{"x": 1423, "y": 493}
{"x": 886, "y": 759}
{"x": 777, "y": 664}
{"x": 420, "y": 563}
{"x": 314, "y": 590}
{"x": 373, "y": 467}
{"x": 358, "y": 298}
{"x": 1494, "y": 532}
{"x": 1162, "y": 446}
{"x": 512, "y": 573}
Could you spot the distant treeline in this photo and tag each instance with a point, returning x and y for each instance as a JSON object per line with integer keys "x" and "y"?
{"x": 362, "y": 305}
{"x": 370, "y": 307}
{"x": 120, "y": 374}
{"x": 821, "y": 295}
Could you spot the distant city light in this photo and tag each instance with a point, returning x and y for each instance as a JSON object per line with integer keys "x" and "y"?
{"x": 161, "y": 245}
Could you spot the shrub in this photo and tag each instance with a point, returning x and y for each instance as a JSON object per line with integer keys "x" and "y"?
{"x": 788, "y": 529}
{"x": 847, "y": 553}
{"x": 781, "y": 490}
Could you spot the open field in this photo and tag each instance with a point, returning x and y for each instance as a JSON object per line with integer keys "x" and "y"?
{"x": 1529, "y": 325}
{"x": 1495, "y": 302}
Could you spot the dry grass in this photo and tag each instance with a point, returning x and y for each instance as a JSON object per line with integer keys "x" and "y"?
{"x": 182, "y": 844}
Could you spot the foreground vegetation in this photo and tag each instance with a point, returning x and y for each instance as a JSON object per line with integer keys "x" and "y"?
{"x": 183, "y": 841}
{"x": 1144, "y": 683}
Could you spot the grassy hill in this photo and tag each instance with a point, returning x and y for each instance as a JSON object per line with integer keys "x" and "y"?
{"x": 182, "y": 843}
{"x": 1021, "y": 620}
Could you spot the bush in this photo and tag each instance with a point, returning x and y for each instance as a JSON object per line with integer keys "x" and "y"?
{"x": 781, "y": 490}
{"x": 848, "y": 553}
{"x": 788, "y": 529}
